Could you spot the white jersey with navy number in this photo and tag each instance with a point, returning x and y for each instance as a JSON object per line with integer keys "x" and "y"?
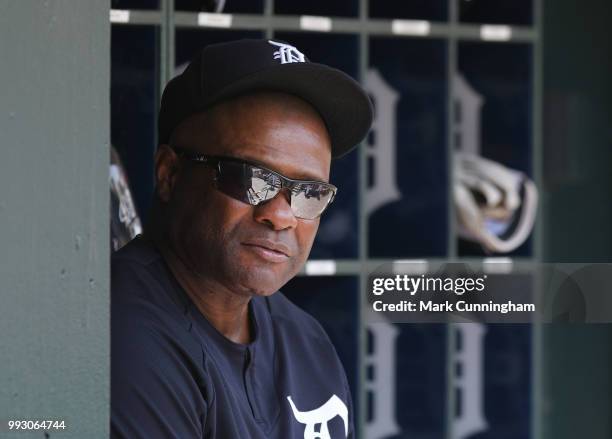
{"x": 173, "y": 375}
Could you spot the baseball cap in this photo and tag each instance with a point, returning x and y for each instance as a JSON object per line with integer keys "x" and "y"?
{"x": 226, "y": 70}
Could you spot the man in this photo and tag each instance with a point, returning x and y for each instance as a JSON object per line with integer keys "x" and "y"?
{"x": 203, "y": 345}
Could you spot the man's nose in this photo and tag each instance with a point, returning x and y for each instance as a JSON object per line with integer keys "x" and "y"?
{"x": 276, "y": 213}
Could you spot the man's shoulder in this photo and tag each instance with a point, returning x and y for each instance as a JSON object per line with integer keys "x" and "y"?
{"x": 142, "y": 289}
{"x": 287, "y": 315}
{"x": 139, "y": 252}
{"x": 131, "y": 264}
{"x": 146, "y": 310}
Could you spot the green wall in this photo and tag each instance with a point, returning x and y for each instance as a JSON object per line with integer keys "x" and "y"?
{"x": 577, "y": 76}
{"x": 577, "y": 208}
{"x": 54, "y": 256}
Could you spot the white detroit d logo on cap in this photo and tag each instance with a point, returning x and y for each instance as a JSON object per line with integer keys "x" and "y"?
{"x": 322, "y": 415}
{"x": 287, "y": 53}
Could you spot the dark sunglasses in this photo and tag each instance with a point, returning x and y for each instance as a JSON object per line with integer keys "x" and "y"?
{"x": 253, "y": 184}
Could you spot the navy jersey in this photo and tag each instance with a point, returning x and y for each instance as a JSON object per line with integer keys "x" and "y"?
{"x": 173, "y": 375}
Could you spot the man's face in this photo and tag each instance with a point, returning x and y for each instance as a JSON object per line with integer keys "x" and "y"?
{"x": 228, "y": 242}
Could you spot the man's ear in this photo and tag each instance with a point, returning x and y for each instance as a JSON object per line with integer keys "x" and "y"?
{"x": 167, "y": 168}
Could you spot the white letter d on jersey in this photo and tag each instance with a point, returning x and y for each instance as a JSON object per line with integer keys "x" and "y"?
{"x": 322, "y": 415}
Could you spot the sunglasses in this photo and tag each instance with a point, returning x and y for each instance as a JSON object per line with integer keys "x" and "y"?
{"x": 253, "y": 184}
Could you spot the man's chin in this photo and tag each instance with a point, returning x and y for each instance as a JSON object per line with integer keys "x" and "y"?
{"x": 262, "y": 282}
{"x": 260, "y": 277}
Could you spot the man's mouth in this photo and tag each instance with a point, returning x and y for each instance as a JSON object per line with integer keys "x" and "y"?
{"x": 269, "y": 250}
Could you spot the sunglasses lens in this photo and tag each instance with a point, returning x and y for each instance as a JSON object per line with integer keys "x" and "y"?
{"x": 264, "y": 185}
{"x": 247, "y": 183}
{"x": 309, "y": 200}
{"x": 254, "y": 185}
{"x": 231, "y": 180}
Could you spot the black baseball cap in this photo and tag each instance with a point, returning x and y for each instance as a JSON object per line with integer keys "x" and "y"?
{"x": 227, "y": 70}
